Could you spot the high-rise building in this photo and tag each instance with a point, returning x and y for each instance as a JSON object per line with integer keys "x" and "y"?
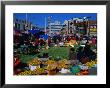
{"x": 69, "y": 26}
{"x": 55, "y": 27}
{"x": 81, "y": 26}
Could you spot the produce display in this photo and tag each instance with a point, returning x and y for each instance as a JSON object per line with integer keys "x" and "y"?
{"x": 63, "y": 64}
{"x": 34, "y": 62}
{"x": 35, "y": 72}
{"x": 84, "y": 72}
{"x": 51, "y": 66}
{"x": 71, "y": 43}
{"x": 39, "y": 71}
{"x": 65, "y": 71}
{"x": 75, "y": 69}
{"x": 63, "y": 61}
{"x": 91, "y": 64}
{"x": 50, "y": 62}
{"x": 26, "y": 72}
{"x": 38, "y": 66}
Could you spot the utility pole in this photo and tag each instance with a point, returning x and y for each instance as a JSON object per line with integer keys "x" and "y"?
{"x": 26, "y": 22}
{"x": 68, "y": 27}
{"x": 45, "y": 25}
{"x": 26, "y": 18}
{"x": 49, "y": 24}
{"x": 88, "y": 28}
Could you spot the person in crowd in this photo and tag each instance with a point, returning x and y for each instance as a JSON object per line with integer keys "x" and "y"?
{"x": 45, "y": 55}
{"x": 88, "y": 52}
{"x": 54, "y": 39}
{"x": 73, "y": 56}
{"x": 37, "y": 45}
{"x": 80, "y": 53}
{"x": 68, "y": 38}
{"x": 77, "y": 38}
{"x": 93, "y": 40}
{"x": 49, "y": 41}
{"x": 18, "y": 65}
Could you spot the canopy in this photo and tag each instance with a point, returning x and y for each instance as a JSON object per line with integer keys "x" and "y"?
{"x": 45, "y": 36}
{"x": 34, "y": 31}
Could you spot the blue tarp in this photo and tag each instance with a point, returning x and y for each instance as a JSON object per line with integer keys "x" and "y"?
{"x": 45, "y": 36}
{"x": 34, "y": 31}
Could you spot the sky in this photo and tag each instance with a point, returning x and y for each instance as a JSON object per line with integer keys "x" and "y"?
{"x": 39, "y": 18}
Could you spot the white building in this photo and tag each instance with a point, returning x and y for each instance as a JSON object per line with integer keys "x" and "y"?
{"x": 69, "y": 26}
{"x": 55, "y": 27}
{"x": 75, "y": 25}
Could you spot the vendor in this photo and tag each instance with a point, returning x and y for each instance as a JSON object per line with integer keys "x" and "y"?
{"x": 80, "y": 53}
{"x": 18, "y": 65}
{"x": 88, "y": 52}
{"x": 73, "y": 56}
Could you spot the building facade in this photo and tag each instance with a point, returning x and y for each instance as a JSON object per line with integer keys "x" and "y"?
{"x": 55, "y": 27}
{"x": 82, "y": 26}
{"x": 19, "y": 24}
{"x": 93, "y": 28}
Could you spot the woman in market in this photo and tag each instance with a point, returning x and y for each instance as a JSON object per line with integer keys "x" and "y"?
{"x": 88, "y": 52}
{"x": 49, "y": 41}
{"x": 73, "y": 56}
{"x": 74, "y": 68}
{"x": 80, "y": 54}
{"x": 83, "y": 53}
